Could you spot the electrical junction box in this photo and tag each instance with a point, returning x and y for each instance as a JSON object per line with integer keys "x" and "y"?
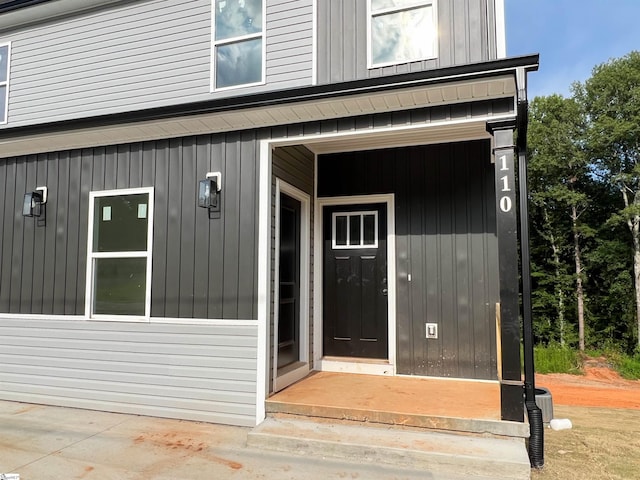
{"x": 432, "y": 330}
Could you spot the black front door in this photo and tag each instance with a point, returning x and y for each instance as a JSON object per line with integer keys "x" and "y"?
{"x": 289, "y": 282}
{"x": 355, "y": 319}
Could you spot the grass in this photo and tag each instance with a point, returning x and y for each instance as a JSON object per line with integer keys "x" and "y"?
{"x": 627, "y": 366}
{"x": 603, "y": 444}
{"x": 556, "y": 359}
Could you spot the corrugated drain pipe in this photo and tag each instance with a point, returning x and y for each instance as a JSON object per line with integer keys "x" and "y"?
{"x": 536, "y": 427}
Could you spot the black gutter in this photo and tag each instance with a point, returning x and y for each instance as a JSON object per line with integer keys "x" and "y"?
{"x": 289, "y": 96}
{"x": 11, "y": 5}
{"x": 536, "y": 430}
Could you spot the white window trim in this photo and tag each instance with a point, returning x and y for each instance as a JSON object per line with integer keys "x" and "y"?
{"x": 361, "y": 244}
{"x": 215, "y": 43}
{"x": 91, "y": 256}
{"x": 6, "y": 83}
{"x": 501, "y": 33}
{"x": 419, "y": 3}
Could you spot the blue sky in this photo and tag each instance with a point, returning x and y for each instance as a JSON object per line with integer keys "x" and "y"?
{"x": 571, "y": 36}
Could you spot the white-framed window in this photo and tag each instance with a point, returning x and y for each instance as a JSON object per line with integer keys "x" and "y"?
{"x": 5, "y": 53}
{"x": 401, "y": 31}
{"x": 119, "y": 254}
{"x": 238, "y": 44}
{"x": 354, "y": 230}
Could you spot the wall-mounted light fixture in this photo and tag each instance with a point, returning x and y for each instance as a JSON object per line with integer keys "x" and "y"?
{"x": 209, "y": 192}
{"x": 34, "y": 201}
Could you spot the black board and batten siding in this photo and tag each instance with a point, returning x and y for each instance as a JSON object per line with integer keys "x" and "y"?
{"x": 446, "y": 240}
{"x": 465, "y": 35}
{"x": 202, "y": 268}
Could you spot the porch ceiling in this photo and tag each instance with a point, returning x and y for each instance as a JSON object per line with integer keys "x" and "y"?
{"x": 340, "y": 105}
{"x": 436, "y": 132}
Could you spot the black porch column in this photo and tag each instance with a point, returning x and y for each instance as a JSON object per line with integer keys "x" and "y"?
{"x": 511, "y": 386}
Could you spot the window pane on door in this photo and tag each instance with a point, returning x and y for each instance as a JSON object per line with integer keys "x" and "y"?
{"x": 354, "y": 230}
{"x": 340, "y": 230}
{"x": 369, "y": 227}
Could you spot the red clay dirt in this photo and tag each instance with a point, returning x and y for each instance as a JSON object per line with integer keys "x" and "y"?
{"x": 600, "y": 386}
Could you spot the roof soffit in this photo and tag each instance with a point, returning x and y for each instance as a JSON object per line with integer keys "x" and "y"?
{"x": 314, "y": 109}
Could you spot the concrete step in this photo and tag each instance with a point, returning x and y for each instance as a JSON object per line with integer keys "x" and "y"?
{"x": 466, "y": 456}
{"x": 480, "y": 426}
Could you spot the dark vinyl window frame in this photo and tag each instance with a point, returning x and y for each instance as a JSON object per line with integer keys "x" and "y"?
{"x": 221, "y": 41}
{"x": 129, "y": 253}
{"x": 5, "y": 70}
{"x": 379, "y": 10}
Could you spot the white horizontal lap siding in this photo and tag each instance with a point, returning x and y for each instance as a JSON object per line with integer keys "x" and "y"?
{"x": 289, "y": 42}
{"x": 141, "y": 55}
{"x": 195, "y": 372}
{"x": 122, "y": 58}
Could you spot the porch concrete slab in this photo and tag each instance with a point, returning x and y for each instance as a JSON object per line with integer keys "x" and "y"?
{"x": 437, "y": 452}
{"x": 439, "y": 404}
{"x": 54, "y": 443}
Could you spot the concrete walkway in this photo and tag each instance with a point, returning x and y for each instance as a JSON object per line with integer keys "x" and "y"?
{"x": 54, "y": 443}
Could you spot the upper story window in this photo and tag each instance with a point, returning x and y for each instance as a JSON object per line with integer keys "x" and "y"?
{"x": 401, "y": 31}
{"x": 238, "y": 43}
{"x": 4, "y": 81}
{"x": 119, "y": 254}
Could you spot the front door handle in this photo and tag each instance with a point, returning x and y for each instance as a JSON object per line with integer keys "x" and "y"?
{"x": 385, "y": 291}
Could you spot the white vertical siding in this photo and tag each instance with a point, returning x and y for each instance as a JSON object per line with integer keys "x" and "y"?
{"x": 141, "y": 55}
{"x": 187, "y": 371}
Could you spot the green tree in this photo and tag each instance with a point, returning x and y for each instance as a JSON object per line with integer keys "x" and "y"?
{"x": 611, "y": 98}
{"x": 559, "y": 175}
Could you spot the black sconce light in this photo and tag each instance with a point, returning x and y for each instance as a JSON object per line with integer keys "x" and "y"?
{"x": 33, "y": 202}
{"x": 209, "y": 192}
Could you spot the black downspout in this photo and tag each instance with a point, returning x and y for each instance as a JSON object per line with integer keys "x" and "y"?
{"x": 536, "y": 427}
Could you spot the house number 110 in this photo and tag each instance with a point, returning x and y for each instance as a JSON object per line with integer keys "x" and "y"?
{"x": 505, "y": 200}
